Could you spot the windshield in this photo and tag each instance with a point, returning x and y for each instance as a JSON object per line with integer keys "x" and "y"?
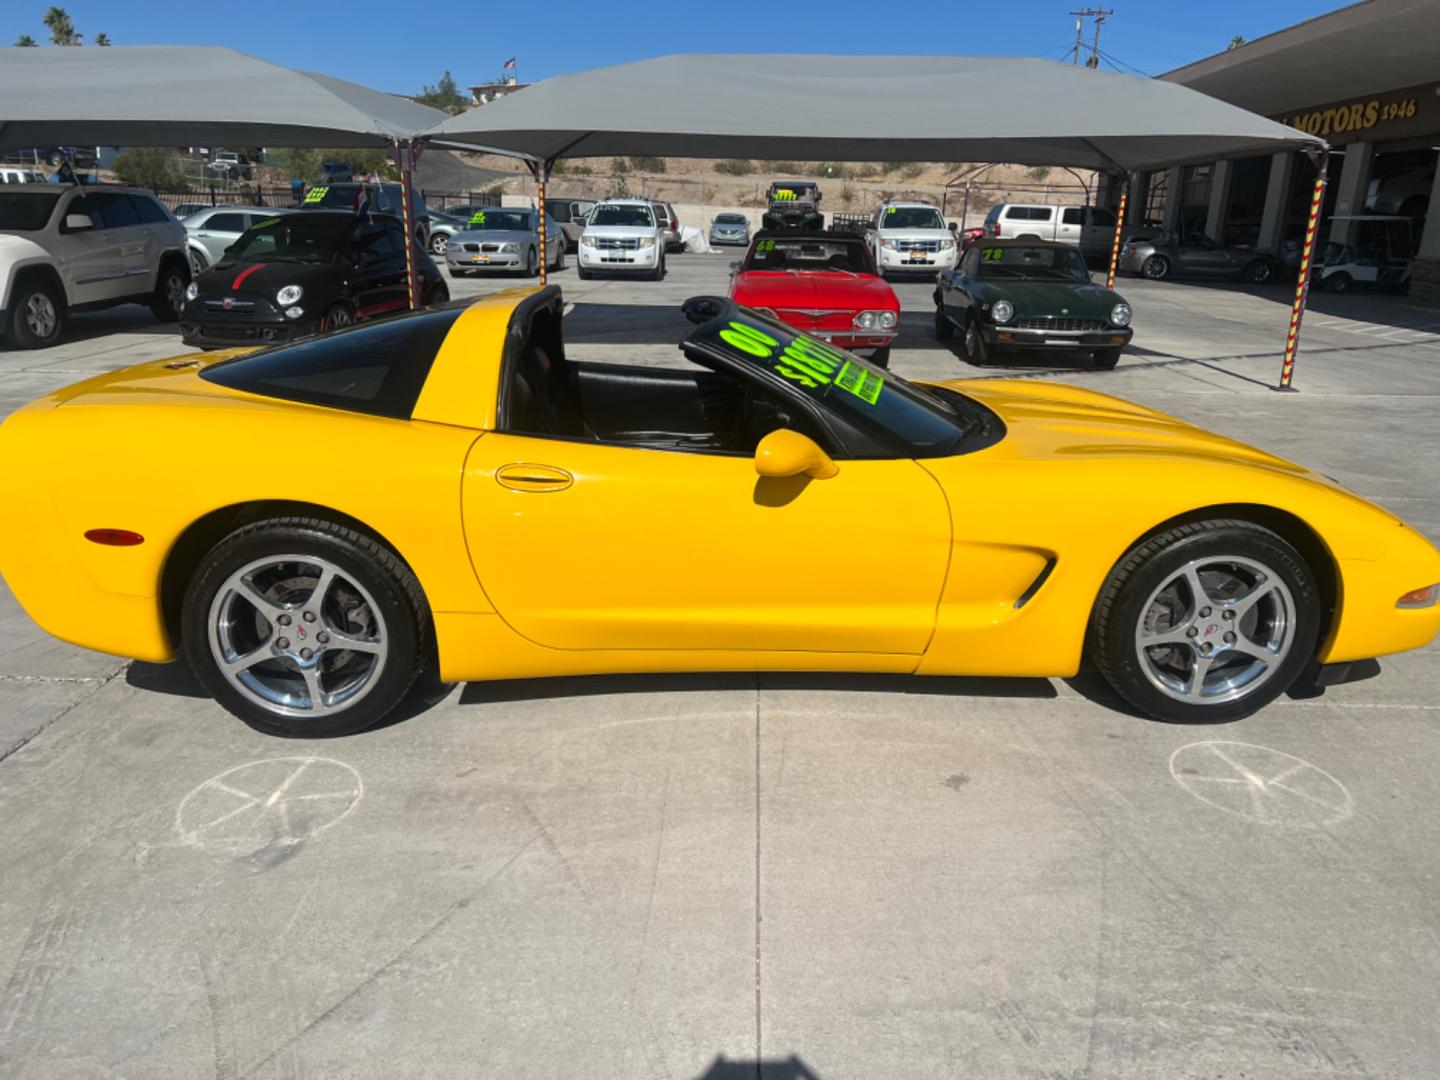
{"x": 634, "y": 216}
{"x": 869, "y": 397}
{"x": 797, "y": 252}
{"x": 730, "y": 219}
{"x": 293, "y": 238}
{"x": 912, "y": 217}
{"x": 26, "y": 211}
{"x": 793, "y": 193}
{"x": 499, "y": 221}
{"x": 1032, "y": 264}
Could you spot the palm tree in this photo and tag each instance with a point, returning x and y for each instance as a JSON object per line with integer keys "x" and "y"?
{"x": 102, "y": 39}
{"x": 62, "y": 30}
{"x": 25, "y": 41}
{"x": 1235, "y": 42}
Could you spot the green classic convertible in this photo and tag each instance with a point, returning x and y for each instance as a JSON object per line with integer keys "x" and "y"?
{"x": 1029, "y": 294}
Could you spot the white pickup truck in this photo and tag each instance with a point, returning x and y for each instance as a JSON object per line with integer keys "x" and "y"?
{"x": 909, "y": 237}
{"x": 1090, "y": 228}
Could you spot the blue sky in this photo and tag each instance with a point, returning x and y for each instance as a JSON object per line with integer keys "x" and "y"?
{"x": 391, "y": 45}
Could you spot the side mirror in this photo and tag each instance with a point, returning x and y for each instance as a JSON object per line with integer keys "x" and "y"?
{"x": 788, "y": 453}
{"x": 735, "y": 265}
{"x": 954, "y": 226}
{"x": 76, "y": 222}
{"x": 701, "y": 309}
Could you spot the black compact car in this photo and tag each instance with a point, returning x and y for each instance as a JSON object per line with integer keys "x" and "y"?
{"x": 299, "y": 274}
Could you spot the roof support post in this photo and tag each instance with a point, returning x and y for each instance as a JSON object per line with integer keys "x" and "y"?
{"x": 405, "y": 154}
{"x": 1119, "y": 231}
{"x": 541, "y": 171}
{"x": 1321, "y": 160}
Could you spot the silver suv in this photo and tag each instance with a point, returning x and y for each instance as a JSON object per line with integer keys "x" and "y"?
{"x": 64, "y": 249}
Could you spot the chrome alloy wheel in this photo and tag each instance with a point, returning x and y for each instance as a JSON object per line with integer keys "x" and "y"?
{"x": 175, "y": 285}
{"x": 297, "y": 635}
{"x": 1216, "y": 630}
{"x": 40, "y": 316}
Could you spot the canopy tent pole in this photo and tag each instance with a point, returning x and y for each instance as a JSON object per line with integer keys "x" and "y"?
{"x": 405, "y": 154}
{"x": 1119, "y": 231}
{"x": 1321, "y": 160}
{"x": 541, "y": 171}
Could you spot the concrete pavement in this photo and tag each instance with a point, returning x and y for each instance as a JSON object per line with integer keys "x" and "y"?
{"x": 725, "y": 876}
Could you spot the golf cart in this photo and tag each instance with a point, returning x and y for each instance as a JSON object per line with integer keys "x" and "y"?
{"x": 1380, "y": 255}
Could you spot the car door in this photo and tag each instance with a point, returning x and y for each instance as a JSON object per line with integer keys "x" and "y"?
{"x": 1098, "y": 236}
{"x": 134, "y": 247}
{"x": 221, "y": 229}
{"x": 956, "y": 293}
{"x": 1201, "y": 257}
{"x": 1071, "y": 226}
{"x": 88, "y": 259}
{"x": 583, "y": 544}
{"x": 378, "y": 282}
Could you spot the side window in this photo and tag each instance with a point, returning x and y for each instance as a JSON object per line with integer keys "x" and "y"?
{"x": 150, "y": 211}
{"x": 971, "y": 263}
{"x": 560, "y": 211}
{"x": 370, "y": 241}
{"x": 234, "y": 223}
{"x": 116, "y": 211}
{"x": 84, "y": 204}
{"x": 1103, "y": 218}
{"x": 994, "y": 215}
{"x": 1072, "y": 215}
{"x": 1042, "y": 213}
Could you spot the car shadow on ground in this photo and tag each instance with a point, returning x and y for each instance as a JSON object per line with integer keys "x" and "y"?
{"x": 572, "y": 686}
{"x": 88, "y": 326}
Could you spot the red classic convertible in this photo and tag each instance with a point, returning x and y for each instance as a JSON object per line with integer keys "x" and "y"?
{"x": 824, "y": 284}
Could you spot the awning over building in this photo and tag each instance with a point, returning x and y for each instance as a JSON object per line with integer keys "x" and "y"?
{"x": 174, "y": 95}
{"x": 1363, "y": 49}
{"x": 870, "y": 108}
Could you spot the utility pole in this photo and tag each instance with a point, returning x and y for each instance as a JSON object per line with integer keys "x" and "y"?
{"x": 1099, "y": 15}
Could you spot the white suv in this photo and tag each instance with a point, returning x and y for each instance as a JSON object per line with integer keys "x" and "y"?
{"x": 68, "y": 248}
{"x": 623, "y": 235}
{"x": 911, "y": 236}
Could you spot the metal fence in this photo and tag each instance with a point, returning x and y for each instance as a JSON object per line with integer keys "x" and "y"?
{"x": 282, "y": 197}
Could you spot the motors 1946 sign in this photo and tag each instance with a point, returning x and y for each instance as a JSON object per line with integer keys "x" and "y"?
{"x": 1383, "y": 116}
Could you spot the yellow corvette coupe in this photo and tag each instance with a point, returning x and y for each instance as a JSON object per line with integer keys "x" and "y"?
{"x": 313, "y": 524}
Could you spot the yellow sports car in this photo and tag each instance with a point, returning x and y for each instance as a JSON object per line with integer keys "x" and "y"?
{"x": 313, "y": 524}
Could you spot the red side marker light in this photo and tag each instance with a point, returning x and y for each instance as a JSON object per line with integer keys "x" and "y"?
{"x": 1420, "y": 598}
{"x": 114, "y": 537}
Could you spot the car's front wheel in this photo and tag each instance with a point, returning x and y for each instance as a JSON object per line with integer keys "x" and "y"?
{"x": 168, "y": 298}
{"x": 1256, "y": 272}
{"x": 881, "y": 357}
{"x": 1337, "y": 282}
{"x": 304, "y": 628}
{"x": 976, "y": 350}
{"x": 1156, "y": 268}
{"x": 37, "y": 314}
{"x": 438, "y": 243}
{"x": 1206, "y": 622}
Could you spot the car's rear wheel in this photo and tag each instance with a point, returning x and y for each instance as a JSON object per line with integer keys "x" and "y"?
{"x": 169, "y": 296}
{"x": 1206, "y": 622}
{"x": 37, "y": 314}
{"x": 976, "y": 350}
{"x": 532, "y": 263}
{"x": 944, "y": 328}
{"x": 1338, "y": 282}
{"x": 1105, "y": 359}
{"x": 1257, "y": 271}
{"x": 304, "y": 628}
{"x": 1156, "y": 268}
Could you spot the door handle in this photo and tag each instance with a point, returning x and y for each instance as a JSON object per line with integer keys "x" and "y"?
{"x": 523, "y": 476}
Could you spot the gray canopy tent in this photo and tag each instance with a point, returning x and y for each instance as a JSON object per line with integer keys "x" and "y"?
{"x": 174, "y": 95}
{"x": 877, "y": 108}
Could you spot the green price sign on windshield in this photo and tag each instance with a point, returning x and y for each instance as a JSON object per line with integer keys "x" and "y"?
{"x": 811, "y": 363}
{"x": 477, "y": 218}
{"x": 314, "y": 195}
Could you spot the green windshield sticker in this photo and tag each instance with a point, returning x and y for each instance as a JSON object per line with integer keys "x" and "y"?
{"x": 477, "y": 218}
{"x": 863, "y": 384}
{"x": 890, "y": 210}
{"x": 812, "y": 364}
{"x": 765, "y": 245}
{"x": 266, "y": 223}
{"x": 992, "y": 254}
{"x": 785, "y": 195}
{"x": 314, "y": 195}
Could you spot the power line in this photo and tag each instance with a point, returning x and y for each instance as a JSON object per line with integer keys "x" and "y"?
{"x": 1099, "y": 15}
{"x": 1117, "y": 64}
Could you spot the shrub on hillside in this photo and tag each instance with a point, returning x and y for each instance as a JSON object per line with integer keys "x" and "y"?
{"x": 734, "y": 167}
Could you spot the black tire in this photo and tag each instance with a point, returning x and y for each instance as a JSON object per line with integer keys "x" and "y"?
{"x": 560, "y": 257}
{"x": 338, "y": 317}
{"x": 585, "y": 275}
{"x": 437, "y": 294}
{"x": 976, "y": 350}
{"x": 378, "y": 570}
{"x": 1126, "y": 599}
{"x": 1155, "y": 267}
{"x": 532, "y": 264}
{"x": 658, "y": 274}
{"x": 37, "y": 314}
{"x": 944, "y": 328}
{"x": 168, "y": 298}
{"x": 1257, "y": 272}
{"x": 1105, "y": 359}
{"x": 1339, "y": 283}
{"x": 881, "y": 357}
{"x": 197, "y": 263}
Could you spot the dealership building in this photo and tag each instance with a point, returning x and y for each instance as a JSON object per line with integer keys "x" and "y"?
{"x": 1366, "y": 79}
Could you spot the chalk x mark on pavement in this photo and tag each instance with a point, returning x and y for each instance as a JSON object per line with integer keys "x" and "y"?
{"x": 278, "y": 802}
{"x": 1261, "y": 784}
